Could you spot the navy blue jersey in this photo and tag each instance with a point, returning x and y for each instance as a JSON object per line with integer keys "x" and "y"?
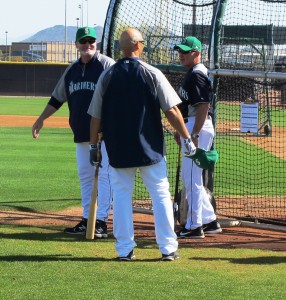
{"x": 196, "y": 88}
{"x": 77, "y": 86}
{"x": 128, "y": 100}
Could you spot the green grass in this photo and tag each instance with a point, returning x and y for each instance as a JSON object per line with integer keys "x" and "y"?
{"x": 43, "y": 263}
{"x": 44, "y": 171}
{"x": 38, "y": 174}
{"x": 27, "y": 106}
{"x": 248, "y": 165}
{"x": 231, "y": 113}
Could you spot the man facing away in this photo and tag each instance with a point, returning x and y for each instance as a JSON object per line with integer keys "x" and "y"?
{"x": 127, "y": 106}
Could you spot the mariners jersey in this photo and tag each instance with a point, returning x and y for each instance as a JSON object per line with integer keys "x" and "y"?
{"x": 196, "y": 88}
{"x": 76, "y": 86}
{"x": 128, "y": 100}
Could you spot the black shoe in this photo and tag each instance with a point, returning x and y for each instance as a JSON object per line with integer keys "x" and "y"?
{"x": 212, "y": 227}
{"x": 129, "y": 257}
{"x": 101, "y": 229}
{"x": 191, "y": 233}
{"x": 170, "y": 257}
{"x": 80, "y": 228}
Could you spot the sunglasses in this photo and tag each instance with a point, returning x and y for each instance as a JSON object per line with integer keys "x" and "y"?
{"x": 184, "y": 52}
{"x": 84, "y": 41}
{"x": 142, "y": 42}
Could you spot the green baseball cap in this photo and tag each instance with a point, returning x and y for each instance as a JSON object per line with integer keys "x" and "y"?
{"x": 190, "y": 43}
{"x": 205, "y": 159}
{"x": 85, "y": 32}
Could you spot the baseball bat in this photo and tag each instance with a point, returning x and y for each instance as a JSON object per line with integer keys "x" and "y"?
{"x": 90, "y": 229}
{"x": 176, "y": 196}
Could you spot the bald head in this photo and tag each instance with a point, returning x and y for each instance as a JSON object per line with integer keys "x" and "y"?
{"x": 129, "y": 42}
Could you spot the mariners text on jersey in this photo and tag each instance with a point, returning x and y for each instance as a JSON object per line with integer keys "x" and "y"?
{"x": 183, "y": 94}
{"x": 85, "y": 85}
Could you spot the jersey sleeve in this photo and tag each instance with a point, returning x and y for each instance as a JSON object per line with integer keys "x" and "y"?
{"x": 95, "y": 106}
{"x": 59, "y": 92}
{"x": 105, "y": 61}
{"x": 55, "y": 103}
{"x": 167, "y": 96}
{"x": 200, "y": 88}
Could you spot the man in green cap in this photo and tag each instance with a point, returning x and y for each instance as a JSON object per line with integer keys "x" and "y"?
{"x": 76, "y": 87}
{"x": 195, "y": 93}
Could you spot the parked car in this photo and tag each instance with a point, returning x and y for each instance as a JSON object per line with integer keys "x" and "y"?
{"x": 34, "y": 57}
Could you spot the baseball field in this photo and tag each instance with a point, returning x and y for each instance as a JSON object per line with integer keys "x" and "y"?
{"x": 40, "y": 197}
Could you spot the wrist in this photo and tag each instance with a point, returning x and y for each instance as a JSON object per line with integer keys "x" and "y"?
{"x": 194, "y": 135}
{"x": 92, "y": 146}
{"x": 188, "y": 139}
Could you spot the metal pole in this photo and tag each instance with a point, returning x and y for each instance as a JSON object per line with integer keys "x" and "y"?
{"x": 6, "y": 32}
{"x": 161, "y": 33}
{"x": 194, "y": 17}
{"x": 86, "y": 12}
{"x": 65, "y": 31}
{"x": 80, "y": 7}
{"x": 81, "y": 13}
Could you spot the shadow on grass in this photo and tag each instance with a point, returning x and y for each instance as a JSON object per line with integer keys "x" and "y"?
{"x": 46, "y": 236}
{"x": 45, "y": 258}
{"x": 66, "y": 257}
{"x": 263, "y": 260}
{"x": 12, "y": 204}
{"x": 59, "y": 236}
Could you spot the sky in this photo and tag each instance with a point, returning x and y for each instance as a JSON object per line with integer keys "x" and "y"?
{"x": 23, "y": 18}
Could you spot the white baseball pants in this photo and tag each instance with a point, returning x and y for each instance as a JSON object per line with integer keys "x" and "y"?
{"x": 86, "y": 177}
{"x": 157, "y": 184}
{"x": 200, "y": 209}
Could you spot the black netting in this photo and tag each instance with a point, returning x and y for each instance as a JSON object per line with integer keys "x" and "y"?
{"x": 249, "y": 177}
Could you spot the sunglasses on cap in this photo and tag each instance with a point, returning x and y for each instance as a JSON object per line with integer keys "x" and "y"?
{"x": 84, "y": 41}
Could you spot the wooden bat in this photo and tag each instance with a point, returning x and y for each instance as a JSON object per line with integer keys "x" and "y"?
{"x": 90, "y": 230}
{"x": 177, "y": 194}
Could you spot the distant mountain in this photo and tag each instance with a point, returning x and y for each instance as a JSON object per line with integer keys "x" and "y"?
{"x": 57, "y": 34}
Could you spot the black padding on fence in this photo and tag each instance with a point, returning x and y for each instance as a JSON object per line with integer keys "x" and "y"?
{"x": 29, "y": 79}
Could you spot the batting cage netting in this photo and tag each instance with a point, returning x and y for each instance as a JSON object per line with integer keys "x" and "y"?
{"x": 244, "y": 49}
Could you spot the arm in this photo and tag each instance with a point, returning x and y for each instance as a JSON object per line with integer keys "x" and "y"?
{"x": 94, "y": 151}
{"x": 95, "y": 128}
{"x": 48, "y": 111}
{"x": 175, "y": 118}
{"x": 56, "y": 101}
{"x": 201, "y": 115}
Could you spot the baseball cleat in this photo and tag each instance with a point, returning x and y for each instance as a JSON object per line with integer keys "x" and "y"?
{"x": 191, "y": 233}
{"x": 101, "y": 229}
{"x": 170, "y": 257}
{"x": 80, "y": 228}
{"x": 129, "y": 257}
{"x": 212, "y": 227}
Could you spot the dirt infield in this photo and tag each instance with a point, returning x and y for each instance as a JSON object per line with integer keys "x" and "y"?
{"x": 28, "y": 121}
{"x": 232, "y": 237}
